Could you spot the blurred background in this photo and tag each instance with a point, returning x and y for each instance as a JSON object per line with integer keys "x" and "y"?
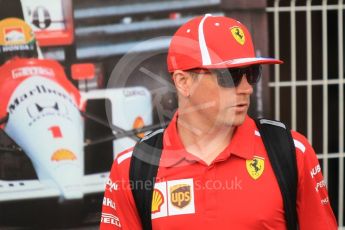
{"x": 126, "y": 42}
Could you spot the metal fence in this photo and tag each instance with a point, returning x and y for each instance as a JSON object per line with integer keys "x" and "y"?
{"x": 308, "y": 90}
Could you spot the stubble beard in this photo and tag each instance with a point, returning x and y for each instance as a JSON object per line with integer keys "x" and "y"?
{"x": 231, "y": 119}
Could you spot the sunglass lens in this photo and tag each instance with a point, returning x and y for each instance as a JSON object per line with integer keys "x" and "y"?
{"x": 232, "y": 77}
{"x": 254, "y": 74}
{"x": 224, "y": 78}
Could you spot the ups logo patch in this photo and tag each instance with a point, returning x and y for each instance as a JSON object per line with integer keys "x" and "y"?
{"x": 180, "y": 195}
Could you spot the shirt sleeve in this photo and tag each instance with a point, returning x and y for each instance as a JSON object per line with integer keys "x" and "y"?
{"x": 313, "y": 206}
{"x": 118, "y": 209}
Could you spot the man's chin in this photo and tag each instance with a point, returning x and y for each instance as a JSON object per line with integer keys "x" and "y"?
{"x": 235, "y": 120}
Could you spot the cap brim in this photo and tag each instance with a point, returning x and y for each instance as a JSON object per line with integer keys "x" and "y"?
{"x": 243, "y": 62}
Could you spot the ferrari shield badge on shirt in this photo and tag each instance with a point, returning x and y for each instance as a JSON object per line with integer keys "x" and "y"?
{"x": 255, "y": 167}
{"x": 238, "y": 34}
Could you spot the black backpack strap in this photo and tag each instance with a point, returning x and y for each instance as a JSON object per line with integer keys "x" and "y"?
{"x": 282, "y": 154}
{"x": 142, "y": 173}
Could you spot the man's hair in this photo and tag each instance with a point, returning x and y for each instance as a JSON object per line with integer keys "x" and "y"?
{"x": 193, "y": 74}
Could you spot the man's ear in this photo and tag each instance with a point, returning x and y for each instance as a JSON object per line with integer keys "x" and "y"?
{"x": 183, "y": 82}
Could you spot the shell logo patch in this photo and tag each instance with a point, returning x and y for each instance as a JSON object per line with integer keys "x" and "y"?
{"x": 63, "y": 154}
{"x": 255, "y": 167}
{"x": 159, "y": 205}
{"x": 157, "y": 201}
{"x": 238, "y": 34}
{"x": 180, "y": 195}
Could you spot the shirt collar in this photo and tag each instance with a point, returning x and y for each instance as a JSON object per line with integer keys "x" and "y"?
{"x": 241, "y": 145}
{"x": 242, "y": 142}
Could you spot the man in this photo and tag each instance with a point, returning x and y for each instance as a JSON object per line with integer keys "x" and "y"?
{"x": 214, "y": 171}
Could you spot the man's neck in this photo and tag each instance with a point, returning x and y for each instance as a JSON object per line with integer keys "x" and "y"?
{"x": 203, "y": 140}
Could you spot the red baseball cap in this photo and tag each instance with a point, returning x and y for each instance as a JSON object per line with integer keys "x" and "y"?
{"x": 213, "y": 42}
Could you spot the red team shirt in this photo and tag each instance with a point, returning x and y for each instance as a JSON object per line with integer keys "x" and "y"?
{"x": 237, "y": 191}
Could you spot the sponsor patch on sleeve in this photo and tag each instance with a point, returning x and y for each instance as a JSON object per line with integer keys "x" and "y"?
{"x": 107, "y": 218}
{"x": 111, "y": 186}
{"x": 109, "y": 203}
{"x": 314, "y": 171}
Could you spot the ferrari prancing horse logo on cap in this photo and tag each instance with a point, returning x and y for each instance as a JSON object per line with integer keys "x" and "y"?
{"x": 238, "y": 34}
{"x": 255, "y": 167}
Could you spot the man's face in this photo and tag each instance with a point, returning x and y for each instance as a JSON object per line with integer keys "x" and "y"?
{"x": 220, "y": 105}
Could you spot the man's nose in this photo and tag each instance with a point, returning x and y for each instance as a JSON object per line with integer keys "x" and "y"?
{"x": 244, "y": 87}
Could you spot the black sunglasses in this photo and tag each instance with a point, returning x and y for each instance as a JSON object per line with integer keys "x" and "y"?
{"x": 232, "y": 77}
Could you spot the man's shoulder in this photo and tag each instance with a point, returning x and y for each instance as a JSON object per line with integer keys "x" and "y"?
{"x": 123, "y": 159}
{"x": 151, "y": 136}
{"x": 300, "y": 141}
{"x": 122, "y": 162}
{"x": 124, "y": 156}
